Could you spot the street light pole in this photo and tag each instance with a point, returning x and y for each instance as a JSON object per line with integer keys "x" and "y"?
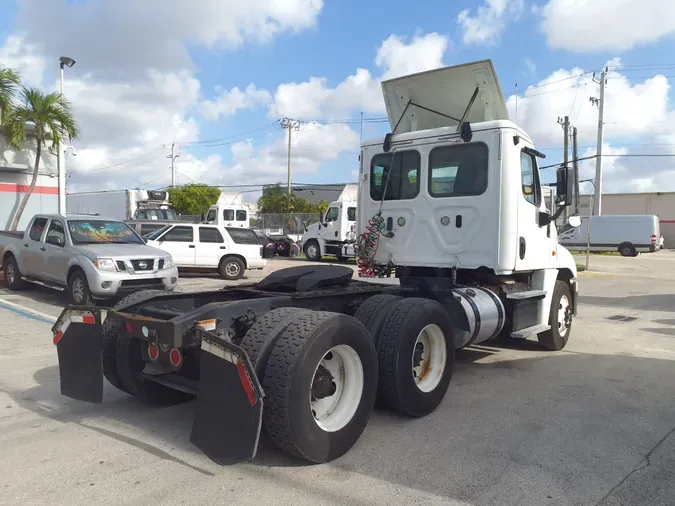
{"x": 590, "y": 217}
{"x": 65, "y": 61}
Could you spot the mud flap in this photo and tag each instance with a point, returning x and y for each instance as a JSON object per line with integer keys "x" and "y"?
{"x": 77, "y": 336}
{"x": 229, "y": 409}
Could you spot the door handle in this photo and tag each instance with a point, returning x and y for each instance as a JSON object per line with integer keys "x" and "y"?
{"x": 25, "y": 245}
{"x": 191, "y": 246}
{"x": 223, "y": 247}
{"x": 43, "y": 249}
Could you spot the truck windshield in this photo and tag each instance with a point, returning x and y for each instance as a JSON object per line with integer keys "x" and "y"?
{"x": 102, "y": 232}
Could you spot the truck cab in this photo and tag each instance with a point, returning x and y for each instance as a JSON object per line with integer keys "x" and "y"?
{"x": 335, "y": 233}
{"x": 229, "y": 215}
{"x": 455, "y": 190}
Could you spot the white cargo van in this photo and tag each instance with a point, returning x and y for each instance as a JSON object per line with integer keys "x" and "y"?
{"x": 627, "y": 234}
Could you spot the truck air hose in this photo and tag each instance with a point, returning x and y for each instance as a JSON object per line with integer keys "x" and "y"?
{"x": 366, "y": 246}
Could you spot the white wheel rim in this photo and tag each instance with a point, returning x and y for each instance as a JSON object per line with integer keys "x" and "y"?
{"x": 563, "y": 310}
{"x": 311, "y": 250}
{"x": 335, "y": 408}
{"x": 429, "y": 356}
{"x": 10, "y": 273}
{"x": 232, "y": 269}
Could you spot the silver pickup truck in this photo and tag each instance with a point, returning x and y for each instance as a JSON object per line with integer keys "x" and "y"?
{"x": 89, "y": 256}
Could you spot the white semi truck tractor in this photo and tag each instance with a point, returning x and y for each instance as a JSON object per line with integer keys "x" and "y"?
{"x": 450, "y": 209}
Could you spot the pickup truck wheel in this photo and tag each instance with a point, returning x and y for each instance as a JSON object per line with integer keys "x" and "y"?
{"x": 78, "y": 289}
{"x": 320, "y": 385}
{"x": 130, "y": 365}
{"x": 231, "y": 268}
{"x": 375, "y": 311}
{"x": 261, "y": 337}
{"x": 313, "y": 251}
{"x": 109, "y": 334}
{"x": 560, "y": 319}
{"x": 416, "y": 355}
{"x": 12, "y": 274}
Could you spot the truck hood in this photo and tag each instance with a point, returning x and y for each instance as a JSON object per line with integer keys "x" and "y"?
{"x": 448, "y": 91}
{"x": 312, "y": 232}
{"x": 120, "y": 251}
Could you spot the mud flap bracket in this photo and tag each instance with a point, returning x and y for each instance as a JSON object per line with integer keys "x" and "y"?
{"x": 228, "y": 415}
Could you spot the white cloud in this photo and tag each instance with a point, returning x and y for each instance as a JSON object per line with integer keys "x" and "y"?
{"x": 234, "y": 100}
{"x": 630, "y": 109}
{"x": 134, "y": 87}
{"x": 315, "y": 99}
{"x": 638, "y": 120}
{"x": 488, "y": 24}
{"x": 23, "y": 58}
{"x": 606, "y": 25}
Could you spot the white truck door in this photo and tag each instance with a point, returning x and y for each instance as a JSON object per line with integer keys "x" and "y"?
{"x": 210, "y": 248}
{"x": 534, "y": 249}
{"x": 228, "y": 217}
{"x": 241, "y": 218}
{"x": 330, "y": 228}
{"x": 179, "y": 242}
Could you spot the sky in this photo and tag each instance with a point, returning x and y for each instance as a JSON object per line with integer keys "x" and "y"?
{"x": 216, "y": 77}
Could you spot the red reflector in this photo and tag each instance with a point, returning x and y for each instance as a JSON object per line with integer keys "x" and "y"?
{"x": 127, "y": 327}
{"x": 248, "y": 388}
{"x": 153, "y": 352}
{"x": 58, "y": 337}
{"x": 175, "y": 357}
{"x": 88, "y": 319}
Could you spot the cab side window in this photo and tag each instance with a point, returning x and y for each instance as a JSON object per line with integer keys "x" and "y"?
{"x": 37, "y": 229}
{"x": 529, "y": 176}
{"x": 332, "y": 214}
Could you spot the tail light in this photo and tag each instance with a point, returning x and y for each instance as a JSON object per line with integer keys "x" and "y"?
{"x": 175, "y": 357}
{"x": 653, "y": 239}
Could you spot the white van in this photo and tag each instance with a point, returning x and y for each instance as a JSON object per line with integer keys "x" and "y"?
{"x": 627, "y": 234}
{"x": 228, "y": 250}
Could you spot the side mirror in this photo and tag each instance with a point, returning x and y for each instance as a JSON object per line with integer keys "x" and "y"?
{"x": 564, "y": 188}
{"x": 574, "y": 221}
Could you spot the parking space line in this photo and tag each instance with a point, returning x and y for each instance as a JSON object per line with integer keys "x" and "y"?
{"x": 27, "y": 312}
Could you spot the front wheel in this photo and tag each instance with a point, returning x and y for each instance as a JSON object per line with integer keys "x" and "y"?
{"x": 560, "y": 319}
{"x": 320, "y": 385}
{"x": 78, "y": 289}
{"x": 312, "y": 251}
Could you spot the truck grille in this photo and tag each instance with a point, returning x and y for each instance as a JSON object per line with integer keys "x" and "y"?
{"x": 146, "y": 264}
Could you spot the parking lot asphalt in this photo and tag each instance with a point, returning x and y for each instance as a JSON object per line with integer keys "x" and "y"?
{"x": 591, "y": 425}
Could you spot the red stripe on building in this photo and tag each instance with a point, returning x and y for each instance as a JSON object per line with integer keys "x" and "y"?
{"x": 666, "y": 221}
{"x": 23, "y": 188}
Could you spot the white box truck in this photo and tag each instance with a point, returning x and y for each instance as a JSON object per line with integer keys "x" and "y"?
{"x": 630, "y": 235}
{"x": 229, "y": 211}
{"x": 123, "y": 205}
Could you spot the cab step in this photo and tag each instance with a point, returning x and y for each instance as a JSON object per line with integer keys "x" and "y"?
{"x": 530, "y": 331}
{"x": 527, "y": 295}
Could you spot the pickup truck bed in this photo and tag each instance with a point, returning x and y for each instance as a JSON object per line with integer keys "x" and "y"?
{"x": 8, "y": 233}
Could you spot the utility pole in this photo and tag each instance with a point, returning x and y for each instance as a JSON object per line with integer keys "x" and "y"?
{"x": 597, "y": 207}
{"x": 566, "y": 129}
{"x": 290, "y": 125}
{"x": 173, "y": 164}
{"x": 575, "y": 165}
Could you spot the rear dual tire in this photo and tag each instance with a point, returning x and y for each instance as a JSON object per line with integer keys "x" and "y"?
{"x": 319, "y": 374}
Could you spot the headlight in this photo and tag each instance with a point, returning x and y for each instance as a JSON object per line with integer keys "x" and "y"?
{"x": 104, "y": 264}
{"x": 168, "y": 262}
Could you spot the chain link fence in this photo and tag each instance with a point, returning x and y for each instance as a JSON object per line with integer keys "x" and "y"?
{"x": 291, "y": 224}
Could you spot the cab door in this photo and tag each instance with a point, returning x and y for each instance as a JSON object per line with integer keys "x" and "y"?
{"x": 534, "y": 249}
{"x": 179, "y": 242}
{"x": 330, "y": 228}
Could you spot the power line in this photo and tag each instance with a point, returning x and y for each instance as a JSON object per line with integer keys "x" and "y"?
{"x": 129, "y": 159}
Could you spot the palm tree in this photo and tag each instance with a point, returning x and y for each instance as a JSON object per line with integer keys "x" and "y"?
{"x": 51, "y": 118}
{"x": 9, "y": 80}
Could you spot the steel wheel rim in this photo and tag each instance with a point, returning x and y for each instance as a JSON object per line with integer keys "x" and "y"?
{"x": 334, "y": 411}
{"x": 78, "y": 290}
{"x": 311, "y": 250}
{"x": 564, "y": 315}
{"x": 10, "y": 272}
{"x": 429, "y": 356}
{"x": 232, "y": 269}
